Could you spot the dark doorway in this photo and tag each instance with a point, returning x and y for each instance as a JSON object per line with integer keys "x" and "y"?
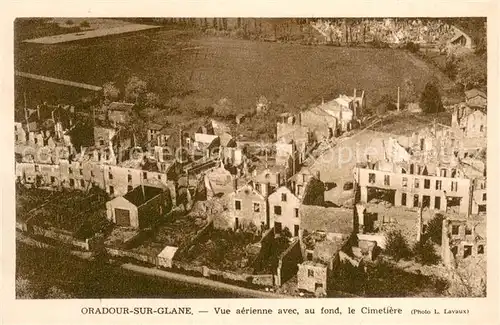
{"x": 122, "y": 217}
{"x": 467, "y": 250}
{"x": 296, "y": 230}
{"x": 426, "y": 201}
{"x": 236, "y": 223}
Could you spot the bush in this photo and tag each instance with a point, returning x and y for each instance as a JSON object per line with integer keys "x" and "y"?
{"x": 425, "y": 253}
{"x": 85, "y": 24}
{"x": 412, "y": 47}
{"x": 69, "y": 22}
{"x": 397, "y": 246}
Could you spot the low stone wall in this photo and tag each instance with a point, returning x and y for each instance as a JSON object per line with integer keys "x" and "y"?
{"x": 150, "y": 259}
{"x": 60, "y": 236}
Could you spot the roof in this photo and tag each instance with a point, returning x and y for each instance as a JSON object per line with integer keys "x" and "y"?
{"x": 473, "y": 93}
{"x": 119, "y": 106}
{"x": 332, "y": 220}
{"x": 168, "y": 252}
{"x": 142, "y": 194}
{"x": 225, "y": 139}
{"x": 155, "y": 126}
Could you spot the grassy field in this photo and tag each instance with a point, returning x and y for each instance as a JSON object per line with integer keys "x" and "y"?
{"x": 190, "y": 66}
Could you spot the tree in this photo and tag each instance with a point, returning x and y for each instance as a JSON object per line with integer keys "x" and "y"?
{"x": 135, "y": 90}
{"x": 152, "y": 100}
{"x": 397, "y": 246}
{"x": 111, "y": 92}
{"x": 435, "y": 228}
{"x": 85, "y": 24}
{"x": 425, "y": 253}
{"x": 471, "y": 71}
{"x": 430, "y": 99}
{"x": 409, "y": 92}
{"x": 224, "y": 108}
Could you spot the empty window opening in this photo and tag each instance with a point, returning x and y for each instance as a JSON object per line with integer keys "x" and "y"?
{"x": 437, "y": 202}
{"x": 237, "y": 204}
{"x": 379, "y": 194}
{"x": 256, "y": 207}
{"x": 453, "y": 203}
{"x": 310, "y": 273}
{"x": 480, "y": 249}
{"x": 348, "y": 186}
{"x": 403, "y": 199}
{"x": 467, "y": 250}
{"x": 371, "y": 178}
{"x": 468, "y": 230}
{"x": 415, "y": 200}
{"x": 387, "y": 180}
{"x": 277, "y": 210}
{"x": 427, "y": 183}
{"x": 455, "y": 229}
{"x": 405, "y": 182}
{"x": 438, "y": 185}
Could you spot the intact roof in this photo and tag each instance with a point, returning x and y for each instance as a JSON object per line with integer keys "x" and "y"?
{"x": 119, "y": 106}
{"x": 141, "y": 194}
{"x": 473, "y": 93}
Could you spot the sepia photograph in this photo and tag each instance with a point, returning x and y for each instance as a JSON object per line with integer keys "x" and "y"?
{"x": 227, "y": 157}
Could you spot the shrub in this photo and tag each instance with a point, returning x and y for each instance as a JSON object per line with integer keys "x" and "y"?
{"x": 412, "y": 47}
{"x": 425, "y": 253}
{"x": 85, "y": 24}
{"x": 69, "y": 22}
{"x": 397, "y": 246}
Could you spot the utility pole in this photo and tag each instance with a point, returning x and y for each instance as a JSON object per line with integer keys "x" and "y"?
{"x": 398, "y": 99}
